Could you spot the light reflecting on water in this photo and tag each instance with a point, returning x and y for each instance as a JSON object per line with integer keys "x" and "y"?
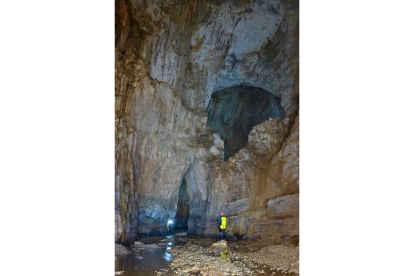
{"x": 168, "y": 256}
{"x": 153, "y": 260}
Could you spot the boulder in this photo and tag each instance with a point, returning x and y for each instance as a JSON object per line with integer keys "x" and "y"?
{"x": 220, "y": 247}
{"x": 121, "y": 250}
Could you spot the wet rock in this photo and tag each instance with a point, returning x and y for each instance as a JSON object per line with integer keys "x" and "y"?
{"x": 194, "y": 259}
{"x": 220, "y": 247}
{"x": 233, "y": 245}
{"x": 280, "y": 257}
{"x": 121, "y": 250}
{"x": 147, "y": 246}
{"x": 220, "y": 244}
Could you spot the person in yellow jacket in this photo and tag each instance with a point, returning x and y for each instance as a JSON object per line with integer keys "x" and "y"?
{"x": 222, "y": 225}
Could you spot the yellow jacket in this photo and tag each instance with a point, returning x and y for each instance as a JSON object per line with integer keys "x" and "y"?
{"x": 223, "y": 222}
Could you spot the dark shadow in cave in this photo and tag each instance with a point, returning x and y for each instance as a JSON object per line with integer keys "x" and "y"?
{"x": 183, "y": 208}
{"x": 234, "y": 111}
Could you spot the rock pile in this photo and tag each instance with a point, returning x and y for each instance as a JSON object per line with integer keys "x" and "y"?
{"x": 194, "y": 258}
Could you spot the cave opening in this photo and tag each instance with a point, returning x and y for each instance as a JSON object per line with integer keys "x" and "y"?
{"x": 234, "y": 111}
{"x": 183, "y": 207}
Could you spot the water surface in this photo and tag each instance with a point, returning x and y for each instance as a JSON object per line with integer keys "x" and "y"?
{"x": 152, "y": 261}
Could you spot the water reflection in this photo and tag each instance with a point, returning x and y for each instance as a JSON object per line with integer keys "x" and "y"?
{"x": 168, "y": 256}
{"x": 151, "y": 261}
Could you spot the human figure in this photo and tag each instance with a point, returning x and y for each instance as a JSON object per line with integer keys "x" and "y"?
{"x": 222, "y": 225}
{"x": 169, "y": 227}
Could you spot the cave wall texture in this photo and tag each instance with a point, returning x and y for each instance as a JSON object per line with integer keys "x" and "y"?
{"x": 171, "y": 58}
{"x": 234, "y": 111}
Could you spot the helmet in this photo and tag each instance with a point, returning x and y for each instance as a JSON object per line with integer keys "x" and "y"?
{"x": 222, "y": 213}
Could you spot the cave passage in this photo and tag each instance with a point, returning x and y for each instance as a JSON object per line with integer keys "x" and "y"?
{"x": 233, "y": 112}
{"x": 183, "y": 207}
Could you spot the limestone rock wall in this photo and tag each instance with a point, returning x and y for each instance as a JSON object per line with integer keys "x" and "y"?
{"x": 203, "y": 46}
{"x": 170, "y": 56}
{"x": 156, "y": 138}
{"x": 258, "y": 188}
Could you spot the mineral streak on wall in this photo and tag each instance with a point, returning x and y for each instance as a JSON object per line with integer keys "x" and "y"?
{"x": 172, "y": 57}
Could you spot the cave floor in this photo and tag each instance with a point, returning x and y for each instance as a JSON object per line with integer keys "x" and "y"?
{"x": 182, "y": 255}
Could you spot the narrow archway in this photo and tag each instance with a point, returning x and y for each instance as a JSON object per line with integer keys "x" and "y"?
{"x": 183, "y": 207}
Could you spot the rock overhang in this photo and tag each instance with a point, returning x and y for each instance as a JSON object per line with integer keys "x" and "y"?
{"x": 233, "y": 112}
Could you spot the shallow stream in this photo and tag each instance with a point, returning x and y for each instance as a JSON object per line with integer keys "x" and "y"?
{"x": 147, "y": 261}
{"x": 152, "y": 260}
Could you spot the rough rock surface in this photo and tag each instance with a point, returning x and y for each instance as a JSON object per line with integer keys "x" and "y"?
{"x": 220, "y": 247}
{"x": 233, "y": 112}
{"x": 265, "y": 169}
{"x": 281, "y": 257}
{"x": 196, "y": 259}
{"x": 170, "y": 57}
{"x": 199, "y": 47}
{"x": 121, "y": 250}
{"x": 283, "y": 206}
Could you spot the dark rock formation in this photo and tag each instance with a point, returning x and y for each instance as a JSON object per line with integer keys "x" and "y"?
{"x": 183, "y": 207}
{"x": 233, "y": 112}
